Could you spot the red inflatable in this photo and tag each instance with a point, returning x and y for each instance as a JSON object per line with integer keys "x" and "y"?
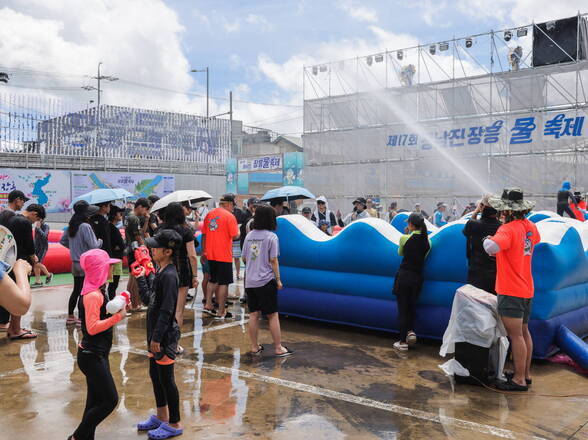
{"x": 55, "y": 235}
{"x": 57, "y": 259}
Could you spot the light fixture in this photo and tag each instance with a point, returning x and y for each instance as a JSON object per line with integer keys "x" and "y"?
{"x": 379, "y": 58}
{"x": 507, "y": 35}
{"x": 432, "y": 49}
{"x": 522, "y": 32}
{"x": 469, "y": 42}
{"x": 369, "y": 60}
{"x": 323, "y": 68}
{"x": 443, "y": 46}
{"x": 550, "y": 25}
{"x": 315, "y": 70}
{"x": 399, "y": 55}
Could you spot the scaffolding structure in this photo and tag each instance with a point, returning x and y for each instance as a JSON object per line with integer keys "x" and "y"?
{"x": 446, "y": 121}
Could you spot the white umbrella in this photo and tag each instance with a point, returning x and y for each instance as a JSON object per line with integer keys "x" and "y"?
{"x": 184, "y": 195}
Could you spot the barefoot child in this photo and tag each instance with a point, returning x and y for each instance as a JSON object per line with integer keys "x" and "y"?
{"x": 262, "y": 278}
{"x": 160, "y": 293}
{"x": 96, "y": 341}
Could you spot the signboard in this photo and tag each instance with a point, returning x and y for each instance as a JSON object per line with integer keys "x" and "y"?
{"x": 260, "y": 163}
{"x": 525, "y": 129}
{"x": 48, "y": 188}
{"x": 138, "y": 184}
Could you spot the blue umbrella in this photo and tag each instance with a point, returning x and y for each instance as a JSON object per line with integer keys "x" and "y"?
{"x": 102, "y": 195}
{"x": 288, "y": 193}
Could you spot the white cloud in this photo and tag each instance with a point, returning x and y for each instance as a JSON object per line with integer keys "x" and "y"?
{"x": 199, "y": 16}
{"x": 259, "y": 21}
{"x": 359, "y": 12}
{"x": 521, "y": 12}
{"x": 231, "y": 26}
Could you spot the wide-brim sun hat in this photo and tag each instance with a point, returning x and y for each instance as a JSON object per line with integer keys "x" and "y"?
{"x": 512, "y": 199}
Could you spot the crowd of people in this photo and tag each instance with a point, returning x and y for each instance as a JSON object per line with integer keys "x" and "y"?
{"x": 500, "y": 243}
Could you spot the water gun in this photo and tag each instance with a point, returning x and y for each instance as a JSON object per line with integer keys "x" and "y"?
{"x": 142, "y": 259}
{"x": 117, "y": 303}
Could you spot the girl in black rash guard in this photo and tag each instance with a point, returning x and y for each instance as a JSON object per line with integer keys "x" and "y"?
{"x": 160, "y": 293}
{"x": 414, "y": 248}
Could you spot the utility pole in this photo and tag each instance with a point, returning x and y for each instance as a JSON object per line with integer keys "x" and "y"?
{"x": 99, "y": 78}
{"x": 207, "y": 87}
{"x": 231, "y": 121}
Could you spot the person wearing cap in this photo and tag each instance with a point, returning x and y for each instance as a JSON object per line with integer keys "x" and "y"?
{"x": 117, "y": 248}
{"x": 564, "y": 198}
{"x": 21, "y": 226}
{"x": 306, "y": 213}
{"x": 137, "y": 223}
{"x": 247, "y": 219}
{"x": 359, "y": 212}
{"x": 16, "y": 200}
{"x": 219, "y": 230}
{"x": 438, "y": 218}
{"x": 79, "y": 237}
{"x": 481, "y": 266}
{"x": 153, "y": 224}
{"x": 513, "y": 246}
{"x": 322, "y": 212}
{"x": 94, "y": 348}
{"x": 325, "y": 226}
{"x": 392, "y": 211}
{"x": 160, "y": 294}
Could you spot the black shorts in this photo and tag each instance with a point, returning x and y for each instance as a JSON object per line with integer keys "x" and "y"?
{"x": 263, "y": 299}
{"x": 515, "y": 307}
{"x": 221, "y": 273}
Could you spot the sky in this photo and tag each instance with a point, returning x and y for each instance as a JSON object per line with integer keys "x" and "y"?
{"x": 256, "y": 49}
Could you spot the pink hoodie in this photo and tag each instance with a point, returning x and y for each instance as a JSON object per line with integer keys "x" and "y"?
{"x": 96, "y": 264}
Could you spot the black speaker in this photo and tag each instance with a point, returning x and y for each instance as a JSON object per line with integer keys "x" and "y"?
{"x": 563, "y": 33}
{"x": 477, "y": 360}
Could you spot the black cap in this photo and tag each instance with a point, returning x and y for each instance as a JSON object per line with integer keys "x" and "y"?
{"x": 84, "y": 208}
{"x": 306, "y": 209}
{"x": 228, "y": 198}
{"x": 17, "y": 194}
{"x": 253, "y": 201}
{"x": 360, "y": 200}
{"x": 166, "y": 238}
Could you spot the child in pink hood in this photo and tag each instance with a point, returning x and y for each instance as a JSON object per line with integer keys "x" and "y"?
{"x": 96, "y": 342}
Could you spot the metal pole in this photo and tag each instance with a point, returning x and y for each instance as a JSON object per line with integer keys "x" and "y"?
{"x": 207, "y": 94}
{"x": 231, "y": 121}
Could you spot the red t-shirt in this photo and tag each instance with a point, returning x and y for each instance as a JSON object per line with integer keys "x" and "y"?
{"x": 516, "y": 240}
{"x": 220, "y": 226}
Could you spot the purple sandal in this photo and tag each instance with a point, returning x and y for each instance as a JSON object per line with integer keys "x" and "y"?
{"x": 151, "y": 423}
{"x": 164, "y": 431}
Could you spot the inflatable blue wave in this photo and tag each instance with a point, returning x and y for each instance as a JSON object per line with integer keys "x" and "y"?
{"x": 348, "y": 278}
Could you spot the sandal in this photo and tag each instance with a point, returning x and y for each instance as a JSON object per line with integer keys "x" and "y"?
{"x": 255, "y": 353}
{"x": 510, "y": 374}
{"x": 288, "y": 352}
{"x": 179, "y": 350}
{"x": 164, "y": 431}
{"x": 27, "y": 334}
{"x": 151, "y": 423}
{"x": 509, "y": 385}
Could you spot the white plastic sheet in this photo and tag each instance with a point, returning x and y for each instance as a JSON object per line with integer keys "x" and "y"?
{"x": 474, "y": 319}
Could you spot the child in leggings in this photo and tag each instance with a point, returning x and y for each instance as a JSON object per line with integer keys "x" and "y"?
{"x": 160, "y": 294}
{"x": 96, "y": 342}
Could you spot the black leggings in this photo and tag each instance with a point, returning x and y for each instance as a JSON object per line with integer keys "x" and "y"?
{"x": 561, "y": 208}
{"x": 407, "y": 293}
{"x": 165, "y": 389}
{"x": 102, "y": 396}
{"x": 113, "y": 286}
{"x": 75, "y": 294}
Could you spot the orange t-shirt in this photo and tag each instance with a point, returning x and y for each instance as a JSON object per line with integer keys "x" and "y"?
{"x": 220, "y": 226}
{"x": 516, "y": 240}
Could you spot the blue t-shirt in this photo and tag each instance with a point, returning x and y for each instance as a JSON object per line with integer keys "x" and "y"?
{"x": 259, "y": 248}
{"x": 439, "y": 221}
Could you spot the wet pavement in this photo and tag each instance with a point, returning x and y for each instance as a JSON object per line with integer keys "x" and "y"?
{"x": 340, "y": 383}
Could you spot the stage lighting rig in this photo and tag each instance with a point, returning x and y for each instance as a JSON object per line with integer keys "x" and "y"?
{"x": 468, "y": 42}
{"x": 443, "y": 46}
{"x": 432, "y": 49}
{"x": 507, "y": 35}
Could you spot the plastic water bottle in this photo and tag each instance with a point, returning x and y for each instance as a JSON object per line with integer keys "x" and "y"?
{"x": 117, "y": 303}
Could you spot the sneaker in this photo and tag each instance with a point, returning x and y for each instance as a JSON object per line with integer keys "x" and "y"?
{"x": 411, "y": 338}
{"x": 48, "y": 278}
{"x": 227, "y": 315}
{"x": 36, "y": 285}
{"x": 211, "y": 312}
{"x": 400, "y": 346}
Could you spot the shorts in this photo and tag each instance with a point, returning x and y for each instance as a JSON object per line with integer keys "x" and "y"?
{"x": 117, "y": 270}
{"x": 237, "y": 249}
{"x": 221, "y": 273}
{"x": 185, "y": 274}
{"x": 515, "y": 307}
{"x": 263, "y": 299}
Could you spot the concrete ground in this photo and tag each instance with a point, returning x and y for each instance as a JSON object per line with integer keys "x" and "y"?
{"x": 340, "y": 383}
